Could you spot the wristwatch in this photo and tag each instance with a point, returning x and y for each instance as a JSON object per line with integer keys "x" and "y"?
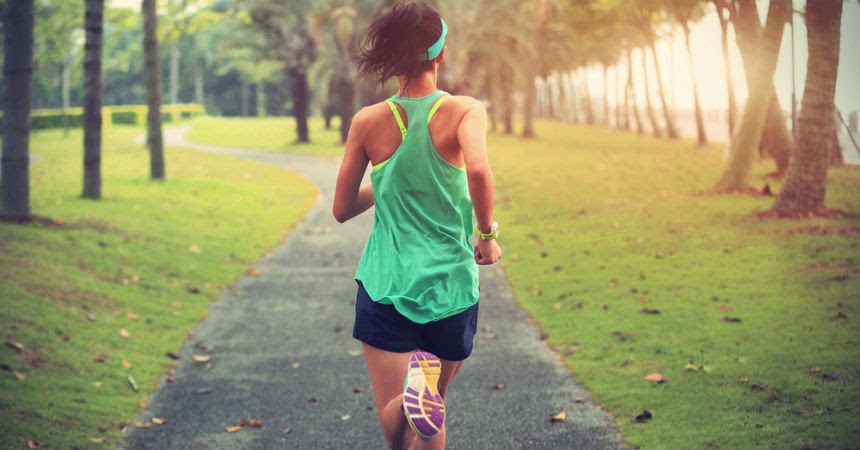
{"x": 493, "y": 234}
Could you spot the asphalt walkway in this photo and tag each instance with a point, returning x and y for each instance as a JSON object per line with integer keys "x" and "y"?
{"x": 281, "y": 352}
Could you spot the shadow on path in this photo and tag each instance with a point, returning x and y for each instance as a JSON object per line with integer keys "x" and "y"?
{"x": 282, "y": 352}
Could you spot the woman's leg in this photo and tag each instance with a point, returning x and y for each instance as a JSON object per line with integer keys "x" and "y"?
{"x": 387, "y": 375}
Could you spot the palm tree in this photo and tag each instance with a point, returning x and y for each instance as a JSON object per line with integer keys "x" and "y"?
{"x": 806, "y": 182}
{"x": 746, "y": 140}
{"x": 723, "y": 9}
{"x": 152, "y": 77}
{"x": 93, "y": 22}
{"x": 776, "y": 140}
{"x": 649, "y": 109}
{"x": 686, "y": 12}
{"x": 17, "y": 82}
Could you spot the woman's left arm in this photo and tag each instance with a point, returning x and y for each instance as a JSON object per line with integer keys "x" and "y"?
{"x": 350, "y": 197}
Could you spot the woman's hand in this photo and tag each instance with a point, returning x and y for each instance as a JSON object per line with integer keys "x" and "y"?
{"x": 487, "y": 252}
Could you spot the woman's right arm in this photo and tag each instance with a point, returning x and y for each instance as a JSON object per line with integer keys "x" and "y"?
{"x": 350, "y": 197}
{"x": 472, "y": 137}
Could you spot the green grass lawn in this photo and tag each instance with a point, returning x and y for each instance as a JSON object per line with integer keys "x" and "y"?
{"x": 108, "y": 288}
{"x": 274, "y": 134}
{"x": 602, "y": 230}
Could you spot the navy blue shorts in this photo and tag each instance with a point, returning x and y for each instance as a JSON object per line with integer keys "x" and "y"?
{"x": 382, "y": 327}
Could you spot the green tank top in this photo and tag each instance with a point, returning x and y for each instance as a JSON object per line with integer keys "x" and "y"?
{"x": 418, "y": 256}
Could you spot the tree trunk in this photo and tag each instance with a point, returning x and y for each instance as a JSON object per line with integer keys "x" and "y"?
{"x": 806, "y": 182}
{"x": 506, "y": 78}
{"x": 152, "y": 79}
{"x": 671, "y": 130}
{"x": 570, "y": 82}
{"x": 605, "y": 117}
{"x": 621, "y": 108}
{"x": 630, "y": 92}
{"x": 528, "y": 106}
{"x": 261, "y": 99}
{"x": 17, "y": 85}
{"x": 345, "y": 105}
{"x": 94, "y": 23}
{"x": 199, "y": 94}
{"x": 174, "y": 75}
{"x": 730, "y": 83}
{"x": 776, "y": 140}
{"x": 66, "y": 92}
{"x": 588, "y": 110}
{"x": 655, "y": 125}
{"x": 301, "y": 100}
{"x": 744, "y": 145}
{"x": 700, "y": 121}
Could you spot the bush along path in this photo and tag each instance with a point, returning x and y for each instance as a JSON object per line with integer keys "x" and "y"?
{"x": 274, "y": 365}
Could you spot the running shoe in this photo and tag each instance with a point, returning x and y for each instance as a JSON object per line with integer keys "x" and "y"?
{"x": 422, "y": 404}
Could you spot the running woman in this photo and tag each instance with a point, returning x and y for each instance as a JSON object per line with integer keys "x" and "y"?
{"x": 417, "y": 302}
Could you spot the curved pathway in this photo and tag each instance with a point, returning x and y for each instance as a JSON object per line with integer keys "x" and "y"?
{"x": 282, "y": 353}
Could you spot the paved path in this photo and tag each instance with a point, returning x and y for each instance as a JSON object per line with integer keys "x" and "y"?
{"x": 282, "y": 353}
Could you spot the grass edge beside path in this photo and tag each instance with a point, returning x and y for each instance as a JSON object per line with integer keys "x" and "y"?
{"x": 96, "y": 300}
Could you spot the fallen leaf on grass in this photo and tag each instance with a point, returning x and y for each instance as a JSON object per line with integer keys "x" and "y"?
{"x": 649, "y": 311}
{"x": 234, "y": 429}
{"x": 254, "y": 272}
{"x": 173, "y": 356}
{"x": 99, "y": 440}
{"x": 656, "y": 377}
{"x": 124, "y": 333}
{"x": 730, "y": 319}
{"x": 559, "y": 417}
{"x": 499, "y": 387}
{"x": 314, "y": 400}
{"x": 34, "y": 444}
{"x": 126, "y": 364}
{"x": 644, "y": 417}
{"x": 743, "y": 380}
{"x": 287, "y": 431}
{"x": 16, "y": 345}
{"x": 726, "y": 308}
{"x": 100, "y": 358}
{"x": 132, "y": 316}
{"x": 815, "y": 369}
{"x": 20, "y": 376}
{"x": 142, "y": 424}
{"x": 690, "y": 367}
{"x": 132, "y": 382}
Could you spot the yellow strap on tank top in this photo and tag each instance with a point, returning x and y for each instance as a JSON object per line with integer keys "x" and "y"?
{"x": 435, "y": 108}
{"x": 397, "y": 117}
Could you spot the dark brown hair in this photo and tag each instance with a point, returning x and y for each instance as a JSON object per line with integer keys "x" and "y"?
{"x": 397, "y": 42}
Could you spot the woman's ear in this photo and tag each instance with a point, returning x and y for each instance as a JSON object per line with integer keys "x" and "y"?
{"x": 441, "y": 56}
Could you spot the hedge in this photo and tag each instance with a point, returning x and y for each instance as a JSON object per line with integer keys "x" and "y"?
{"x": 41, "y": 119}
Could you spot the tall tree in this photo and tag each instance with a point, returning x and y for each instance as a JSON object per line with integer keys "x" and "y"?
{"x": 806, "y": 181}
{"x": 93, "y": 22}
{"x": 152, "y": 77}
{"x": 17, "y": 80}
{"x": 649, "y": 109}
{"x": 724, "y": 15}
{"x": 288, "y": 29}
{"x": 686, "y": 12}
{"x": 746, "y": 141}
{"x": 776, "y": 140}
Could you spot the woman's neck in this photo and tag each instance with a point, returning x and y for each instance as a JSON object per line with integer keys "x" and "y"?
{"x": 419, "y": 86}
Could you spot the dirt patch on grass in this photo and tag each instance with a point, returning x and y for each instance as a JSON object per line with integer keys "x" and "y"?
{"x": 819, "y": 266}
{"x": 70, "y": 298}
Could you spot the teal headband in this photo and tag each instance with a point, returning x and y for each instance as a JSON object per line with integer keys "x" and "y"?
{"x": 434, "y": 50}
